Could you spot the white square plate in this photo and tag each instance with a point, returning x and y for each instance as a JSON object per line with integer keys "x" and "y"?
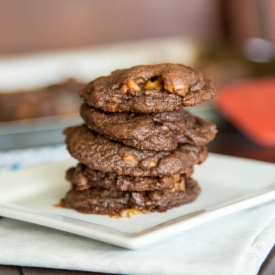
{"x": 228, "y": 185}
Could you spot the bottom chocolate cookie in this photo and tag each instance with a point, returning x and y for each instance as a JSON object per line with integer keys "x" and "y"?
{"x": 114, "y": 202}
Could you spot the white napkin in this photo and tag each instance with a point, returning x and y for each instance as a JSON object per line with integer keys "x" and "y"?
{"x": 232, "y": 245}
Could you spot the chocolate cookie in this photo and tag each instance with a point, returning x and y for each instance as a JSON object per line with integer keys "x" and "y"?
{"x": 149, "y": 88}
{"x": 101, "y": 153}
{"x": 154, "y": 131}
{"x": 83, "y": 178}
{"x": 111, "y": 202}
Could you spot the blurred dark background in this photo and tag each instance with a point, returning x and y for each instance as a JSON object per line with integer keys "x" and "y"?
{"x": 37, "y": 25}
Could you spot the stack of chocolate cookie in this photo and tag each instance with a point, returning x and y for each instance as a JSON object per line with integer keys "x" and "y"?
{"x": 138, "y": 146}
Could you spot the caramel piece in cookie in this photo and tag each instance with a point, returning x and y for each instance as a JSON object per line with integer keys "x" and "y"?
{"x": 149, "y": 88}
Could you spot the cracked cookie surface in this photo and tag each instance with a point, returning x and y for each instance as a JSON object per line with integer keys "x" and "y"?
{"x": 151, "y": 131}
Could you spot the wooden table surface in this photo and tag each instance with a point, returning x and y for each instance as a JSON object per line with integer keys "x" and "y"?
{"x": 229, "y": 141}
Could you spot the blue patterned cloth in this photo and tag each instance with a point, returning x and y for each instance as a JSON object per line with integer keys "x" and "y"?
{"x": 16, "y": 159}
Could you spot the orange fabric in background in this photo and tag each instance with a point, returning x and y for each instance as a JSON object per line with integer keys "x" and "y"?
{"x": 250, "y": 106}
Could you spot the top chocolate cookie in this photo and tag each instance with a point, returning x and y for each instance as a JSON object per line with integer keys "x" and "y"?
{"x": 149, "y": 88}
